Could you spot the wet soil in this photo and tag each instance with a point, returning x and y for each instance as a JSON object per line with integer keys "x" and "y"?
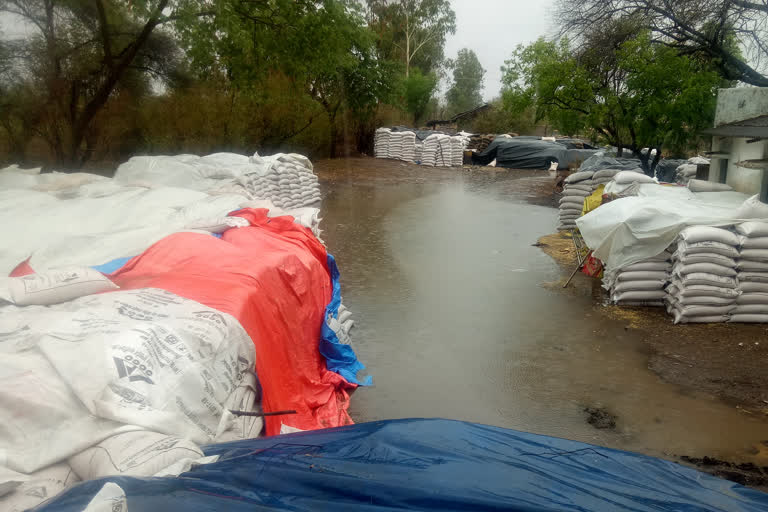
{"x": 600, "y": 417}
{"x": 726, "y": 360}
{"x": 460, "y": 314}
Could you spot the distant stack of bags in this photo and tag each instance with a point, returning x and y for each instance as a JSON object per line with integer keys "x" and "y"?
{"x": 458, "y": 144}
{"x": 437, "y": 151}
{"x": 640, "y": 284}
{"x": 479, "y": 143}
{"x": 395, "y": 145}
{"x": 688, "y": 171}
{"x": 577, "y": 186}
{"x": 704, "y": 286}
{"x": 381, "y": 143}
{"x": 288, "y": 181}
{"x": 402, "y": 146}
{"x": 418, "y": 152}
{"x": 752, "y": 277}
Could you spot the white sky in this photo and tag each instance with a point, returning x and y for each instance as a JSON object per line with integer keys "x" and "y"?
{"x": 493, "y": 28}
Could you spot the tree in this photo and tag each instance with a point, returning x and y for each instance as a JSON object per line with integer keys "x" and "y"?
{"x": 418, "y": 90}
{"x": 634, "y": 94}
{"x": 323, "y": 46}
{"x": 83, "y": 54}
{"x": 412, "y": 31}
{"x": 713, "y": 29}
{"x": 468, "y": 75}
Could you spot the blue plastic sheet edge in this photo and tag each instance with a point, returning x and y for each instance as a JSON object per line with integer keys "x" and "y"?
{"x": 339, "y": 358}
{"x": 424, "y": 464}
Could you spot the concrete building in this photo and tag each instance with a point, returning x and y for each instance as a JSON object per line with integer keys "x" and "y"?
{"x": 740, "y": 140}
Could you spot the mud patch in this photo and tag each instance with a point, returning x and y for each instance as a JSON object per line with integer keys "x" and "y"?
{"x": 600, "y": 418}
{"x": 746, "y": 473}
{"x": 559, "y": 247}
{"x": 724, "y": 360}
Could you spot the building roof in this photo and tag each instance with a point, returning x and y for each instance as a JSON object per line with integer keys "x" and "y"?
{"x": 757, "y": 127}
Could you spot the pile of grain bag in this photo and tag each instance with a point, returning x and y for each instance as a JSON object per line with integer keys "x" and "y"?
{"x": 604, "y": 176}
{"x": 685, "y": 173}
{"x": 688, "y": 170}
{"x": 640, "y": 284}
{"x": 458, "y": 145}
{"x": 704, "y": 285}
{"x": 402, "y": 146}
{"x": 437, "y": 151}
{"x": 133, "y": 382}
{"x": 752, "y": 266}
{"x": 418, "y": 152}
{"x": 626, "y": 183}
{"x": 381, "y": 143}
{"x": 285, "y": 179}
{"x": 577, "y": 187}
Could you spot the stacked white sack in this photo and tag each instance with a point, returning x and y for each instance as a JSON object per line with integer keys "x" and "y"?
{"x": 381, "y": 143}
{"x": 625, "y": 183}
{"x": 640, "y": 284}
{"x": 704, "y": 286}
{"x": 577, "y": 187}
{"x": 752, "y": 304}
{"x": 685, "y": 173}
{"x": 603, "y": 177}
{"x": 408, "y": 145}
{"x": 285, "y": 179}
{"x": 402, "y": 146}
{"x": 437, "y": 150}
{"x": 418, "y": 152}
{"x": 458, "y": 145}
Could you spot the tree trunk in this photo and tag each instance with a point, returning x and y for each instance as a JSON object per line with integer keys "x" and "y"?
{"x": 334, "y": 133}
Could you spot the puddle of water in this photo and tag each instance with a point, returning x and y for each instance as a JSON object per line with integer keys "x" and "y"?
{"x": 452, "y": 321}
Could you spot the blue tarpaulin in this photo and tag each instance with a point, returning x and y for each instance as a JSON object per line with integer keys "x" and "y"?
{"x": 424, "y": 465}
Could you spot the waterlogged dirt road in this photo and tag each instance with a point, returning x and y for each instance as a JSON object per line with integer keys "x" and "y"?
{"x": 460, "y": 316}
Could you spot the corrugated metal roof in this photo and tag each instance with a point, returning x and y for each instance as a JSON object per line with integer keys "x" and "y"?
{"x": 756, "y": 127}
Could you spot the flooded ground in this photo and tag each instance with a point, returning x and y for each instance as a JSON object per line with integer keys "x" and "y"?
{"x": 456, "y": 319}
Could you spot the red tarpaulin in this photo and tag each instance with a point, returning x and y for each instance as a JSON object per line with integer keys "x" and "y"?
{"x": 273, "y": 277}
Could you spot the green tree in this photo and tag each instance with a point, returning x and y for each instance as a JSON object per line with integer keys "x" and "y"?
{"x": 418, "y": 90}
{"x": 82, "y": 55}
{"x": 412, "y": 32}
{"x": 713, "y": 29}
{"x": 324, "y": 47}
{"x": 468, "y": 73}
{"x": 636, "y": 95}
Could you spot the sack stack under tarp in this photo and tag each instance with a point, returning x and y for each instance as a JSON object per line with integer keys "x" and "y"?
{"x": 577, "y": 187}
{"x": 480, "y": 143}
{"x": 752, "y": 266}
{"x": 640, "y": 284}
{"x": 704, "y": 285}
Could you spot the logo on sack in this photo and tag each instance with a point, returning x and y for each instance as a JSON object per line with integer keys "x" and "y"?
{"x": 131, "y": 368}
{"x": 211, "y": 316}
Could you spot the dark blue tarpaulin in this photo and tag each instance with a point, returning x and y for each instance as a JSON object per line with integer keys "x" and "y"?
{"x": 424, "y": 465}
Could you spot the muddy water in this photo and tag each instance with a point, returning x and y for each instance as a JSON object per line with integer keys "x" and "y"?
{"x": 453, "y": 320}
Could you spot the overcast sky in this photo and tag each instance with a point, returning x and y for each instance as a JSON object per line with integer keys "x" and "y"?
{"x": 492, "y": 28}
